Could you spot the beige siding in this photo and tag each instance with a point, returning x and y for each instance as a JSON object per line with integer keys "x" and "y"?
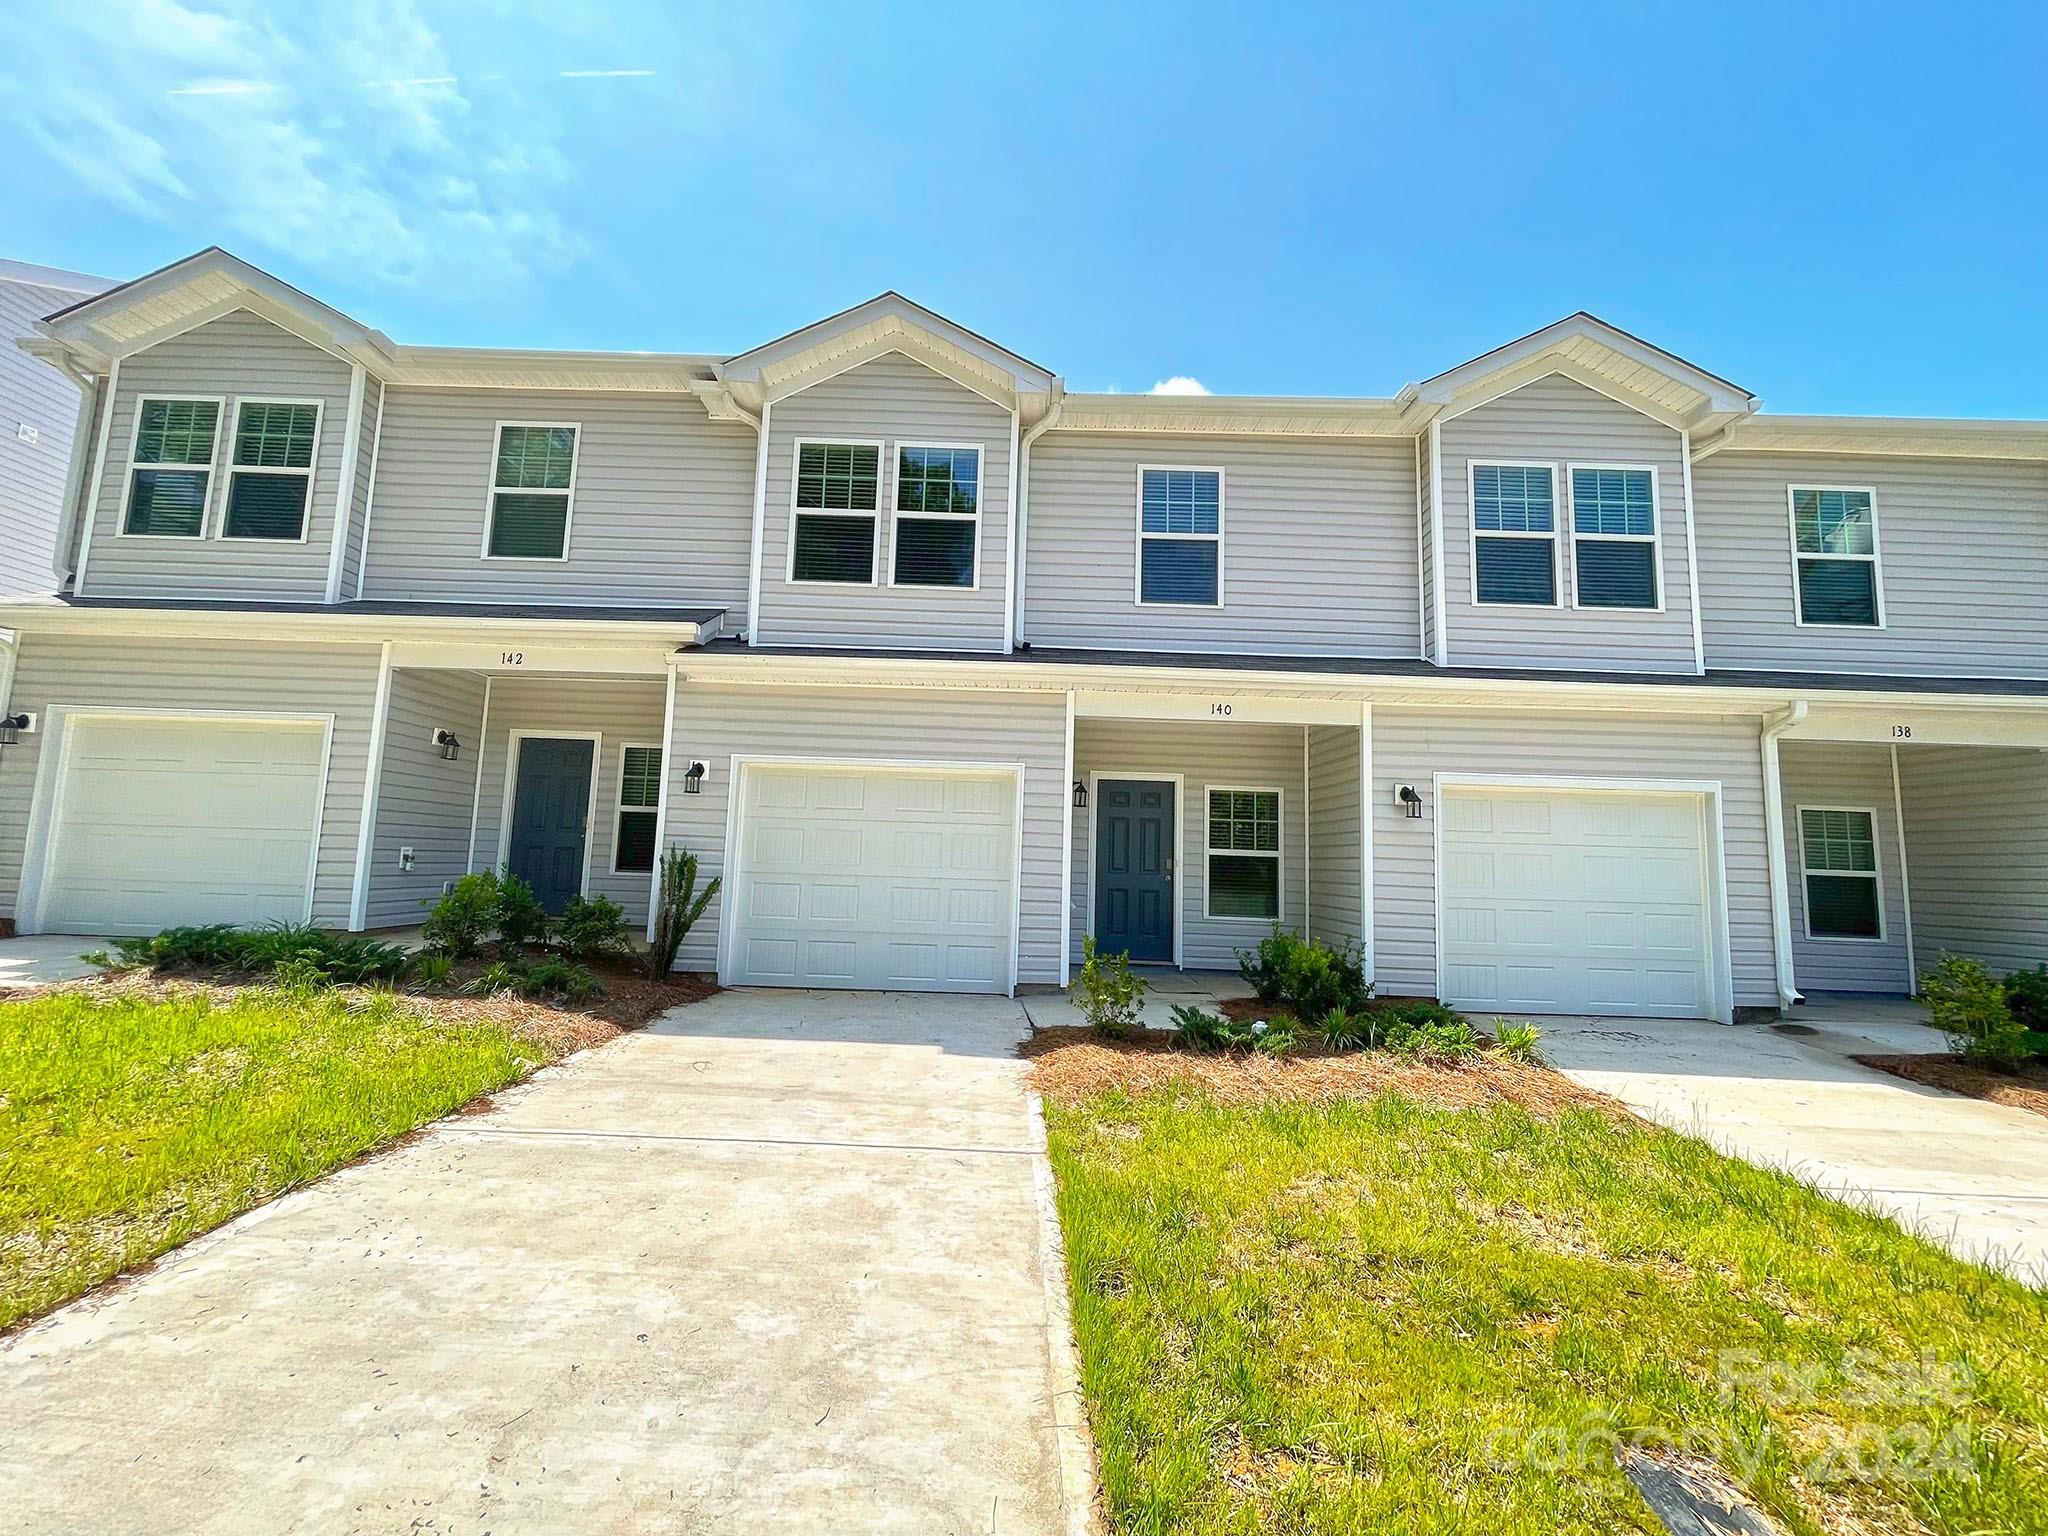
{"x": 359, "y": 500}
{"x": 1319, "y": 550}
{"x": 1335, "y": 891}
{"x": 1964, "y": 565}
{"x": 1558, "y": 421}
{"x": 1856, "y": 777}
{"x": 201, "y": 675}
{"x": 715, "y": 723}
{"x": 1239, "y": 754}
{"x": 1410, "y": 746}
{"x": 662, "y": 513}
{"x": 1977, "y": 839}
{"x": 31, "y": 474}
{"x": 891, "y": 400}
{"x": 424, "y": 800}
{"x": 241, "y": 357}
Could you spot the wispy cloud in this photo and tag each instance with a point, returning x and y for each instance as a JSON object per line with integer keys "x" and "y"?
{"x": 605, "y": 74}
{"x": 1180, "y": 384}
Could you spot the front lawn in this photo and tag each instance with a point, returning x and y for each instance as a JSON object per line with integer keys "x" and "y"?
{"x": 1375, "y": 1314}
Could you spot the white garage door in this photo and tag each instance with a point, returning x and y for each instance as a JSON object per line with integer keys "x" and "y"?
{"x": 875, "y": 878}
{"x": 1567, "y": 902}
{"x": 160, "y": 822}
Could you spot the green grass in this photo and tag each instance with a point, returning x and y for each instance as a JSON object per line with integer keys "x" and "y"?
{"x": 1376, "y": 1316}
{"x": 131, "y": 1123}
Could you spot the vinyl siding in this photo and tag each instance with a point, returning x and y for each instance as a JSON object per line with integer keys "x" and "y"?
{"x": 201, "y": 675}
{"x": 1410, "y": 746}
{"x": 1558, "y": 421}
{"x": 1964, "y": 560}
{"x": 1977, "y": 839}
{"x": 423, "y": 800}
{"x": 1334, "y": 876}
{"x": 890, "y": 400}
{"x": 240, "y": 356}
{"x": 1319, "y": 550}
{"x": 623, "y": 710}
{"x": 359, "y": 501}
{"x": 1239, "y": 754}
{"x": 663, "y": 507}
{"x": 715, "y": 723}
{"x": 31, "y": 474}
{"x": 1858, "y": 777}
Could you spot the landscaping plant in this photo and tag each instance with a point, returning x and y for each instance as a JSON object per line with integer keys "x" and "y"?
{"x": 1434, "y": 1040}
{"x": 1108, "y": 994}
{"x": 677, "y": 908}
{"x": 593, "y": 928}
{"x": 1263, "y": 967}
{"x": 1969, "y": 1006}
{"x": 522, "y": 920}
{"x": 337, "y": 957}
{"x": 465, "y": 916}
{"x": 1517, "y": 1042}
{"x": 554, "y": 976}
{"x": 431, "y": 968}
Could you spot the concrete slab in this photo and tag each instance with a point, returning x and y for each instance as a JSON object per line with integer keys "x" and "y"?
{"x": 777, "y": 1264}
{"x": 37, "y": 959}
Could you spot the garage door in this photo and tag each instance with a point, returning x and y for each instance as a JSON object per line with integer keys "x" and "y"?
{"x": 875, "y": 878}
{"x": 1566, "y": 902}
{"x": 167, "y": 821}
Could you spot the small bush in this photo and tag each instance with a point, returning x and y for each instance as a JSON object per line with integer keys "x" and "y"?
{"x": 1421, "y": 1013}
{"x": 1434, "y": 1041}
{"x": 1517, "y": 1042}
{"x": 1344, "y": 1030}
{"x": 593, "y": 929}
{"x": 1315, "y": 978}
{"x": 495, "y": 978}
{"x": 1969, "y": 1006}
{"x": 1275, "y": 1037}
{"x": 522, "y": 921}
{"x": 431, "y": 968}
{"x": 1107, "y": 993}
{"x": 466, "y": 916}
{"x": 359, "y": 960}
{"x": 556, "y": 977}
{"x": 677, "y": 908}
{"x": 2026, "y": 994}
{"x": 1264, "y": 967}
{"x": 299, "y": 975}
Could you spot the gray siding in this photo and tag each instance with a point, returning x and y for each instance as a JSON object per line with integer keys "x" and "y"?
{"x": 624, "y": 711}
{"x": 890, "y": 400}
{"x": 663, "y": 507}
{"x": 714, "y": 723}
{"x": 1425, "y": 494}
{"x": 239, "y": 356}
{"x": 32, "y": 394}
{"x": 1335, "y": 889}
{"x": 1977, "y": 839}
{"x": 1235, "y": 753}
{"x": 1409, "y": 746}
{"x": 1964, "y": 565}
{"x": 202, "y": 675}
{"x": 1858, "y": 777}
{"x": 1319, "y": 548}
{"x": 359, "y": 501}
{"x": 1558, "y": 421}
{"x": 423, "y": 800}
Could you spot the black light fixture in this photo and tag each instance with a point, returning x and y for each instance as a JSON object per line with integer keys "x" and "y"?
{"x": 450, "y": 748}
{"x": 11, "y": 728}
{"x": 1410, "y": 802}
{"x": 693, "y": 778}
{"x": 1080, "y": 796}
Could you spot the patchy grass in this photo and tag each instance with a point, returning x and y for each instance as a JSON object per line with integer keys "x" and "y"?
{"x": 1367, "y": 1314}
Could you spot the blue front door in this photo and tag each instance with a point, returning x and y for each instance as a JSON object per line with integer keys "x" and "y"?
{"x": 550, "y": 805}
{"x": 1134, "y": 868}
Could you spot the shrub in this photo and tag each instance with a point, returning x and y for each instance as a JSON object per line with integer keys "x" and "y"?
{"x": 1276, "y": 1037}
{"x": 522, "y": 921}
{"x": 431, "y": 968}
{"x": 558, "y": 977}
{"x": 593, "y": 929}
{"x": 1108, "y": 994}
{"x": 299, "y": 975}
{"x": 494, "y": 978}
{"x": 359, "y": 960}
{"x": 1344, "y": 1030}
{"x": 1420, "y": 1012}
{"x": 1315, "y": 978}
{"x": 677, "y": 908}
{"x": 1434, "y": 1040}
{"x": 1517, "y": 1042}
{"x": 1262, "y": 968}
{"x": 1969, "y": 1007}
{"x": 463, "y": 918}
{"x": 209, "y": 946}
{"x": 2026, "y": 994}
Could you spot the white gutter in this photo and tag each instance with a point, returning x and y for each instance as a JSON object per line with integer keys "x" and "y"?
{"x": 753, "y": 634}
{"x": 74, "y": 469}
{"x": 1776, "y": 726}
{"x": 1022, "y": 541}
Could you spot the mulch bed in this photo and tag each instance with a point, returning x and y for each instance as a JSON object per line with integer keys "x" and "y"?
{"x": 2025, "y": 1089}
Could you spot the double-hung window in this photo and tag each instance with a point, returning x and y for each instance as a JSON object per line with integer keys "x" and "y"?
{"x": 832, "y": 523}
{"x": 533, "y": 488}
{"x": 270, "y": 469}
{"x": 1244, "y": 854}
{"x": 1180, "y": 537}
{"x": 938, "y": 516}
{"x": 1834, "y": 544}
{"x": 1838, "y": 859}
{"x": 1614, "y": 537}
{"x": 639, "y": 807}
{"x": 171, "y": 469}
{"x": 1514, "y": 534}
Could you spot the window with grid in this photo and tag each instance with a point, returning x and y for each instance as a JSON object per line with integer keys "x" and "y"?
{"x": 1614, "y": 538}
{"x": 938, "y": 502}
{"x": 838, "y": 488}
{"x": 1834, "y": 541}
{"x": 270, "y": 470}
{"x": 172, "y": 469}
{"x": 1514, "y": 523}
{"x": 1180, "y": 536}
{"x": 1838, "y": 857}
{"x": 1244, "y": 853}
{"x": 639, "y": 805}
{"x": 533, "y": 479}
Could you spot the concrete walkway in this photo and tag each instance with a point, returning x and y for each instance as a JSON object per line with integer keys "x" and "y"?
{"x": 778, "y": 1264}
{"x": 35, "y": 960}
{"x": 1970, "y": 1175}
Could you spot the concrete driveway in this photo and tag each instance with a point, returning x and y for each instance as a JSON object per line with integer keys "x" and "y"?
{"x": 782, "y": 1262}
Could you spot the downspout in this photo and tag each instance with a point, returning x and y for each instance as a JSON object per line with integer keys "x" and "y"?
{"x": 1050, "y": 420}
{"x": 74, "y": 471}
{"x": 1776, "y": 726}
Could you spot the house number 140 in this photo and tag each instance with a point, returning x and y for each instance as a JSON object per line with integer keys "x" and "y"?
{"x": 1219, "y": 709}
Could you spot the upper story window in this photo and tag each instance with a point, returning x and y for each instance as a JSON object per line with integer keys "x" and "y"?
{"x": 1180, "y": 537}
{"x": 533, "y": 490}
{"x": 1614, "y": 537}
{"x": 1514, "y": 534}
{"x": 938, "y": 516}
{"x": 270, "y": 470}
{"x": 1834, "y": 545}
{"x": 833, "y": 512}
{"x": 171, "y": 467}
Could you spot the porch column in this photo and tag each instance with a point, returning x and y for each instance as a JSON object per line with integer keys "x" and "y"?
{"x": 373, "y": 778}
{"x": 1367, "y": 809}
{"x": 1066, "y": 854}
{"x": 668, "y": 739}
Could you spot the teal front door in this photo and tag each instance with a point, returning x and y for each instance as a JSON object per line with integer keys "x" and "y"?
{"x": 550, "y": 816}
{"x": 1134, "y": 868}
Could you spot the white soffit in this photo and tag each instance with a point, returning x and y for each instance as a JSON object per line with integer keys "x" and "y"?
{"x": 1928, "y": 436}
{"x": 1272, "y": 415}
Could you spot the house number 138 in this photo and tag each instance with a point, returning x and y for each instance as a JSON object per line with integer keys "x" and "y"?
{"x": 1901, "y": 732}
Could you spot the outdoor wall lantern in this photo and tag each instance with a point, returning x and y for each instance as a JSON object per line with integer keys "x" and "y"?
{"x": 693, "y": 779}
{"x": 1080, "y": 796}
{"x": 11, "y": 728}
{"x": 1409, "y": 801}
{"x": 450, "y": 748}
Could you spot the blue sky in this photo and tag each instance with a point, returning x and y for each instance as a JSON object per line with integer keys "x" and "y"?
{"x": 1840, "y": 208}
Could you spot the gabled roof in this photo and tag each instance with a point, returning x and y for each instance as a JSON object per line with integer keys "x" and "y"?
{"x": 58, "y": 278}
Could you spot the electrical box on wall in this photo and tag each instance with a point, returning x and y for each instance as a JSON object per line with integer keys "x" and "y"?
{"x": 405, "y": 858}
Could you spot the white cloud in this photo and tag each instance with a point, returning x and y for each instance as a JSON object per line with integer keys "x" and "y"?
{"x": 1180, "y": 384}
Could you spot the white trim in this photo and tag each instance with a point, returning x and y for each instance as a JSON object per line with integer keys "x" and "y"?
{"x": 885, "y": 493}
{"x": 210, "y": 469}
{"x": 1692, "y": 559}
{"x": 668, "y": 738}
{"x": 1905, "y": 879}
{"x": 1775, "y": 726}
{"x": 1138, "y": 550}
{"x": 874, "y": 350}
{"x": 898, "y": 515}
{"x": 1308, "y": 844}
{"x": 494, "y": 490}
{"x": 1067, "y": 852}
{"x": 370, "y": 493}
{"x": 1011, "y": 566}
{"x": 1020, "y": 473}
{"x": 99, "y": 481}
{"x": 476, "y": 793}
{"x": 1176, "y": 876}
{"x": 1875, "y": 874}
{"x": 1278, "y": 855}
{"x": 1367, "y": 812}
{"x": 1442, "y": 647}
{"x": 513, "y": 741}
{"x": 1422, "y": 609}
{"x": 1655, "y": 538}
{"x": 1513, "y": 380}
{"x": 373, "y": 781}
{"x": 619, "y": 806}
{"x": 345, "y": 481}
{"x": 1473, "y": 532}
{"x": 232, "y": 469}
{"x": 760, "y": 506}
{"x": 1875, "y": 559}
